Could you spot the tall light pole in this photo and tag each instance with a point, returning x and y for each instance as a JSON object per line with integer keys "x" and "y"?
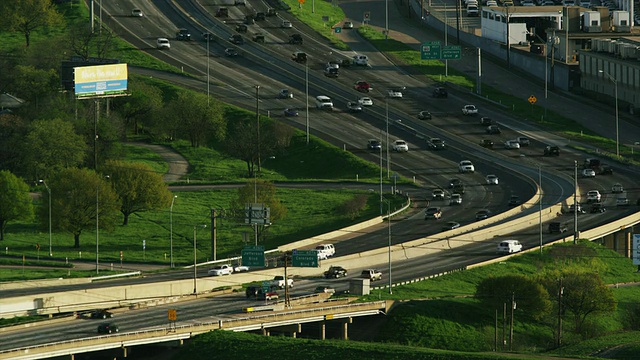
{"x": 508, "y": 39}
{"x": 306, "y": 78}
{"x": 615, "y": 87}
{"x": 49, "y": 191}
{"x": 389, "y": 228}
{"x": 208, "y": 34}
{"x": 386, "y": 101}
{"x": 258, "y": 122}
{"x": 171, "y": 231}
{"x": 386, "y": 19}
{"x": 195, "y": 268}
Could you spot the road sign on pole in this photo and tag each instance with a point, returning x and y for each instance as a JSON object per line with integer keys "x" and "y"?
{"x": 532, "y": 99}
{"x": 253, "y": 256}
{"x": 451, "y": 52}
{"x": 430, "y": 50}
{"x": 338, "y": 29}
{"x": 304, "y": 258}
{"x": 636, "y": 249}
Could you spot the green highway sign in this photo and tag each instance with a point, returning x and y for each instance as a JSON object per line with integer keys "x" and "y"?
{"x": 304, "y": 258}
{"x": 430, "y": 50}
{"x": 253, "y": 256}
{"x": 338, "y": 29}
{"x": 451, "y": 52}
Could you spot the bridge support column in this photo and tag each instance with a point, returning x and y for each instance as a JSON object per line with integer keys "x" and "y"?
{"x": 344, "y": 331}
{"x": 323, "y": 330}
{"x": 265, "y": 332}
{"x": 124, "y": 351}
{"x": 72, "y": 357}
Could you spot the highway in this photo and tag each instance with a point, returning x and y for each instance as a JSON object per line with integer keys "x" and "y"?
{"x": 234, "y": 80}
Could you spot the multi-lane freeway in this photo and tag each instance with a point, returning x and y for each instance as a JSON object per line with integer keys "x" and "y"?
{"x": 233, "y": 79}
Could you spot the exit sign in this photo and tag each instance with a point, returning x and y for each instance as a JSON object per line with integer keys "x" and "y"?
{"x": 304, "y": 258}
{"x": 253, "y": 256}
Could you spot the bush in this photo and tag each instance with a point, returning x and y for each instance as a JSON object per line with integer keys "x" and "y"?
{"x": 353, "y": 207}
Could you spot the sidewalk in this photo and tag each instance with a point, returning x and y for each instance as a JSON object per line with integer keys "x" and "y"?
{"x": 407, "y": 29}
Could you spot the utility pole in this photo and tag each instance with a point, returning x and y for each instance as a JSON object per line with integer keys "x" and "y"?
{"x": 575, "y": 202}
{"x": 287, "y": 300}
{"x": 513, "y": 308}
{"x": 560, "y": 292}
{"x": 214, "y": 254}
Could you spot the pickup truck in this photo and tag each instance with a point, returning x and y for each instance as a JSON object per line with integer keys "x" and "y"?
{"x": 280, "y": 283}
{"x": 221, "y": 270}
{"x": 371, "y": 274}
{"x": 469, "y": 110}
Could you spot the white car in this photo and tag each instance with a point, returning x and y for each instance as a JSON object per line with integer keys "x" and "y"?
{"x": 221, "y": 270}
{"x": 240, "y": 268}
{"x": 163, "y": 43}
{"x": 395, "y": 93}
{"x": 491, "y": 180}
{"x": 466, "y": 166}
{"x": 617, "y": 189}
{"x": 400, "y": 146}
{"x": 437, "y": 194}
{"x": 469, "y": 110}
{"x": 511, "y": 144}
{"x": 325, "y": 251}
{"x": 456, "y": 199}
{"x": 137, "y": 13}
{"x": 594, "y": 196}
{"x": 286, "y": 24}
{"x": 491, "y": 3}
{"x": 324, "y": 102}
{"x": 365, "y": 101}
{"x": 588, "y": 173}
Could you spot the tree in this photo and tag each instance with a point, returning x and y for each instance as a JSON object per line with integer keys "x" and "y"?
{"x": 32, "y": 84}
{"x": 531, "y": 297}
{"x": 86, "y": 43}
{"x": 12, "y": 131}
{"x": 76, "y": 196}
{"x": 26, "y": 16}
{"x": 52, "y": 145}
{"x": 140, "y": 189}
{"x": 585, "y": 294}
{"x": 266, "y": 194}
{"x": 191, "y": 117}
{"x": 242, "y": 140}
{"x": 15, "y": 202}
{"x": 144, "y": 101}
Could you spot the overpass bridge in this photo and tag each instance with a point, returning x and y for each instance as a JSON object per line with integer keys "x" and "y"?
{"x": 286, "y": 321}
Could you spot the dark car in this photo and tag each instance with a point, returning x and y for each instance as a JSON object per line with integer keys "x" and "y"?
{"x": 597, "y": 208}
{"x": 488, "y": 143}
{"x": 183, "y": 35}
{"x": 290, "y": 112}
{"x": 107, "y": 328}
{"x": 354, "y": 107}
{"x": 258, "y": 37}
{"x": 222, "y": 12}
{"x": 440, "y": 92}
{"x": 236, "y": 39}
{"x": 373, "y": 144}
{"x": 486, "y": 121}
{"x": 483, "y": 214}
{"x": 241, "y": 28}
{"x": 551, "y": 150}
{"x": 605, "y": 170}
{"x": 514, "y": 200}
{"x": 436, "y": 144}
{"x": 458, "y": 188}
{"x": 335, "y": 272}
{"x": 272, "y": 12}
{"x": 260, "y": 16}
{"x": 269, "y": 295}
{"x": 450, "y": 225}
{"x": 453, "y": 182}
{"x": 254, "y": 291}
{"x": 295, "y": 39}
{"x": 249, "y": 20}
{"x": 231, "y": 52}
{"x": 493, "y": 129}
{"x": 100, "y": 314}
{"x": 557, "y": 227}
{"x": 432, "y": 213}
{"x": 424, "y": 115}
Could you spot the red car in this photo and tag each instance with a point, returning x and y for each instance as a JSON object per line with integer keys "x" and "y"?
{"x": 363, "y": 86}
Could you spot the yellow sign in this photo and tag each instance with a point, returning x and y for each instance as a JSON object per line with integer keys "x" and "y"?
{"x": 532, "y": 99}
{"x": 301, "y": 1}
{"x": 173, "y": 316}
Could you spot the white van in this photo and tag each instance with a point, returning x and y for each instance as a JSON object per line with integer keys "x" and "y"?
{"x": 325, "y": 251}
{"x": 362, "y": 60}
{"x": 472, "y": 10}
{"x": 509, "y": 246}
{"x": 324, "y": 102}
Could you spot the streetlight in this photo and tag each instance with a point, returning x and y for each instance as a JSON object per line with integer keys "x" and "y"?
{"x": 49, "y": 191}
{"x": 195, "y": 268}
{"x": 171, "y": 231}
{"x": 389, "y": 235}
{"x": 386, "y": 101}
{"x": 615, "y": 83}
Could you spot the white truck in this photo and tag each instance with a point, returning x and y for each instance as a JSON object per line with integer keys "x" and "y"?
{"x": 469, "y": 110}
{"x": 280, "y": 282}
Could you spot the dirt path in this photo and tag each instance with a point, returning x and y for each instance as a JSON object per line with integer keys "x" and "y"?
{"x": 178, "y": 165}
